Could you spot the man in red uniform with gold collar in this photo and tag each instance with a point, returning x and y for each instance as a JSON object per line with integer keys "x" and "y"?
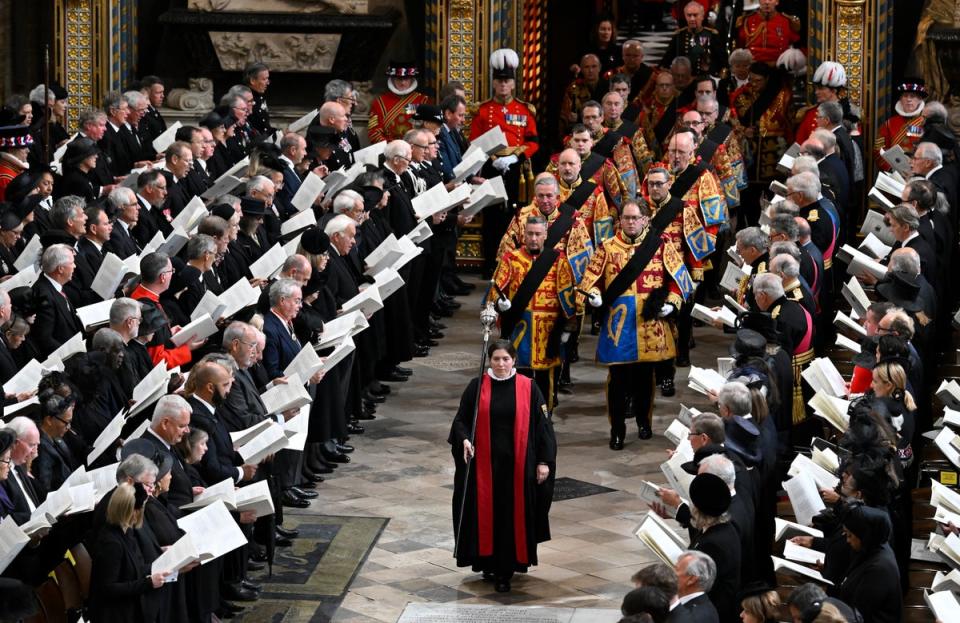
{"x": 905, "y": 127}
{"x": 518, "y": 121}
{"x": 768, "y": 32}
{"x": 829, "y": 85}
{"x": 392, "y": 112}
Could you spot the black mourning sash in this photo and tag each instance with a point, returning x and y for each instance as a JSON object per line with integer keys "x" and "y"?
{"x": 605, "y": 145}
{"x": 541, "y": 266}
{"x": 644, "y": 253}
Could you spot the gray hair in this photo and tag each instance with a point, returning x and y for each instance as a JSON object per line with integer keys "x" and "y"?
{"x": 681, "y": 62}
{"x": 702, "y": 567}
{"x": 735, "y": 396}
{"x": 54, "y": 257}
{"x": 753, "y": 237}
{"x": 230, "y": 98}
{"x": 786, "y": 225}
{"x": 105, "y": 339}
{"x": 152, "y": 265}
{"x": 709, "y": 101}
{"x": 905, "y": 260}
{"x": 346, "y": 201}
{"x": 121, "y": 196}
{"x": 282, "y": 289}
{"x": 719, "y": 466}
{"x": 828, "y": 138}
{"x": 338, "y": 224}
{"x": 784, "y": 207}
{"x": 545, "y": 180}
{"x": 135, "y": 467}
{"x": 741, "y": 55}
{"x": 36, "y": 95}
{"x": 240, "y": 90}
{"x": 134, "y": 98}
{"x": 21, "y": 426}
{"x": 803, "y": 227}
{"x": 929, "y": 150}
{"x": 232, "y": 200}
{"x": 169, "y": 406}
{"x": 832, "y": 112}
{"x": 90, "y": 116}
{"x": 710, "y": 425}
{"x": 769, "y": 284}
{"x": 290, "y": 139}
{"x": 396, "y": 148}
{"x": 64, "y": 209}
{"x": 236, "y": 330}
{"x": 112, "y": 100}
{"x": 906, "y": 215}
{"x": 535, "y": 220}
{"x": 935, "y": 112}
{"x": 336, "y": 89}
{"x": 257, "y": 183}
{"x": 221, "y": 359}
{"x": 122, "y": 309}
{"x": 200, "y": 244}
{"x": 805, "y": 164}
{"x": 787, "y": 248}
{"x": 807, "y": 184}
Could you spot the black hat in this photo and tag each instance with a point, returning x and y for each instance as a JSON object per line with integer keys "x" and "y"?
{"x": 223, "y": 210}
{"x": 761, "y": 69}
{"x": 79, "y": 150}
{"x": 902, "y": 289}
{"x": 226, "y": 116}
{"x": 402, "y": 69}
{"x": 867, "y": 357}
{"x": 371, "y": 197}
{"x": 143, "y": 447}
{"x": 23, "y": 301}
{"x": 504, "y": 63}
{"x": 151, "y": 319}
{"x": 58, "y": 91}
{"x": 322, "y": 136}
{"x": 710, "y": 495}
{"x": 252, "y": 207}
{"x": 11, "y": 117}
{"x": 27, "y": 205}
{"x": 8, "y": 217}
{"x": 912, "y": 85}
{"x": 708, "y": 450}
{"x": 428, "y": 112}
{"x": 753, "y": 589}
{"x": 749, "y": 343}
{"x": 22, "y": 185}
{"x": 315, "y": 241}
{"x": 211, "y": 120}
{"x": 742, "y": 438}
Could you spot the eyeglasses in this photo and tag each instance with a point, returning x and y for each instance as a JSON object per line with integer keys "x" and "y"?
{"x": 655, "y": 184}
{"x": 631, "y": 218}
{"x": 6, "y": 461}
{"x": 67, "y": 423}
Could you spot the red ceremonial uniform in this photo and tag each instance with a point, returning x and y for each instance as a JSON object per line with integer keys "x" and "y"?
{"x": 898, "y": 130}
{"x": 767, "y": 38}
{"x": 517, "y": 119}
{"x": 808, "y": 123}
{"x": 391, "y": 114}
{"x": 176, "y": 356}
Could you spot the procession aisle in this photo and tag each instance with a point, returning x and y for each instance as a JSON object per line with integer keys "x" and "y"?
{"x": 402, "y": 471}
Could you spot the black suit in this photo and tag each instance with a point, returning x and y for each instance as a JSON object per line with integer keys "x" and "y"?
{"x": 698, "y": 610}
{"x": 18, "y": 495}
{"x": 150, "y": 127}
{"x": 722, "y": 544}
{"x": 8, "y": 366}
{"x": 76, "y": 182}
{"x": 947, "y": 181}
{"x": 179, "y": 194}
{"x": 120, "y": 580}
{"x": 243, "y": 407}
{"x": 220, "y": 461}
{"x": 149, "y": 222}
{"x": 120, "y": 158}
{"x": 928, "y": 256}
{"x": 122, "y": 243}
{"x": 55, "y": 315}
{"x": 53, "y": 465}
{"x": 846, "y": 149}
{"x": 835, "y": 174}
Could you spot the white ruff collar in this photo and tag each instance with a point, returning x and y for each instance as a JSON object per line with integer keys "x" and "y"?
{"x": 396, "y": 91}
{"x": 915, "y": 113}
{"x": 493, "y": 376}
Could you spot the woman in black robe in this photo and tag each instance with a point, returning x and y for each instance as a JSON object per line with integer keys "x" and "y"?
{"x": 499, "y": 531}
{"x": 872, "y": 582}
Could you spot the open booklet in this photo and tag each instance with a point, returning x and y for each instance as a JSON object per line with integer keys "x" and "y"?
{"x": 784, "y": 529}
{"x": 660, "y": 538}
{"x": 213, "y": 531}
{"x": 823, "y": 376}
{"x": 705, "y": 380}
{"x": 853, "y": 292}
{"x": 804, "y": 498}
{"x": 12, "y": 541}
{"x": 723, "y": 313}
{"x": 786, "y": 566}
{"x": 289, "y": 395}
{"x": 944, "y": 606}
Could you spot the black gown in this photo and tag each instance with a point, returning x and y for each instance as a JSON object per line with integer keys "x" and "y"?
{"x": 541, "y": 448}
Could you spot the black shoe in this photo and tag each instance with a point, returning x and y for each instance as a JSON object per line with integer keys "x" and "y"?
{"x": 667, "y": 388}
{"x": 366, "y": 415}
{"x": 337, "y": 457}
{"x": 420, "y": 351}
{"x": 565, "y": 387}
{"x": 645, "y": 432}
{"x": 281, "y": 541}
{"x": 236, "y": 592}
{"x": 258, "y": 556}
{"x": 310, "y": 480}
{"x": 251, "y": 586}
{"x": 436, "y": 324}
{"x": 374, "y": 399}
{"x": 380, "y": 390}
{"x": 488, "y": 576}
{"x": 402, "y": 370}
{"x": 288, "y": 498}
{"x": 344, "y": 448}
{"x": 320, "y": 467}
{"x": 682, "y": 362}
{"x": 436, "y": 334}
{"x": 428, "y": 342}
{"x": 232, "y": 608}
{"x": 441, "y": 311}
{"x": 304, "y": 494}
{"x": 253, "y": 565}
{"x": 616, "y": 443}
{"x": 290, "y": 533}
{"x": 502, "y": 586}
{"x": 393, "y": 377}
{"x": 355, "y": 429}
{"x": 452, "y": 304}
{"x": 595, "y": 328}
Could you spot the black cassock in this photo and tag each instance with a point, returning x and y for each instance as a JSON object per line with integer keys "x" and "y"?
{"x": 541, "y": 447}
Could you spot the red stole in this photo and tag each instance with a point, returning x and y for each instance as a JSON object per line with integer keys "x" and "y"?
{"x": 521, "y": 431}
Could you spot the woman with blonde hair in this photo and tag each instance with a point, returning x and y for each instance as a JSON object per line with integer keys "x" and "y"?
{"x": 759, "y": 603}
{"x": 889, "y": 384}
{"x": 121, "y": 579}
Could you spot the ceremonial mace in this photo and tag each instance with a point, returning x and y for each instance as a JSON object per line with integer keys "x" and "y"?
{"x": 488, "y": 317}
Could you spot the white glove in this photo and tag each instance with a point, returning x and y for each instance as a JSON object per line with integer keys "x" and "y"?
{"x": 502, "y": 164}
{"x": 503, "y": 304}
{"x": 666, "y": 310}
{"x": 564, "y": 337}
{"x": 711, "y": 18}
{"x": 595, "y": 300}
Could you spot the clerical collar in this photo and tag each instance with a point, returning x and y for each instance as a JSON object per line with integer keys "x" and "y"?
{"x": 497, "y": 378}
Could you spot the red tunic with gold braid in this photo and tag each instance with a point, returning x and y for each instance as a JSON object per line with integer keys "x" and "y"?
{"x": 898, "y": 130}
{"x": 767, "y": 38}
{"x": 599, "y": 219}
{"x": 516, "y": 118}
{"x": 576, "y": 244}
{"x": 607, "y": 177}
{"x": 807, "y": 123}
{"x": 391, "y": 115}
{"x": 774, "y": 130}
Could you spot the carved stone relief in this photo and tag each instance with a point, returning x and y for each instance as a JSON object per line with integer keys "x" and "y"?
{"x": 352, "y": 7}
{"x": 312, "y": 53}
{"x": 198, "y": 97}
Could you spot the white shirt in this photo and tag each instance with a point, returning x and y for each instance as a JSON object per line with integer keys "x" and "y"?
{"x": 56, "y": 284}
{"x": 912, "y": 235}
{"x": 689, "y": 598}
{"x": 16, "y": 476}
{"x": 162, "y": 440}
{"x": 933, "y": 170}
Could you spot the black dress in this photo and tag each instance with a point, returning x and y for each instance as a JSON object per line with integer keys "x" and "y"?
{"x": 541, "y": 447}
{"x": 120, "y": 578}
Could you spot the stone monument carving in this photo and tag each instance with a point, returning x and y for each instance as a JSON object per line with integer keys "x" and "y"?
{"x": 283, "y": 52}
{"x": 348, "y": 7}
{"x": 198, "y": 97}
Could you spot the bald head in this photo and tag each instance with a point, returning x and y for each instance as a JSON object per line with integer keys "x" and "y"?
{"x": 568, "y": 166}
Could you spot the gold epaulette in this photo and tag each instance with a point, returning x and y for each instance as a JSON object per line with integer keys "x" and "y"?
{"x": 794, "y": 22}
{"x": 740, "y": 18}
{"x": 533, "y": 109}
{"x": 802, "y": 112}
{"x": 474, "y": 107}
{"x": 814, "y": 216}
{"x": 713, "y": 30}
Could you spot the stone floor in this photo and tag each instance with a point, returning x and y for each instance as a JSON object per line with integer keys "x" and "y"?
{"x": 402, "y": 470}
